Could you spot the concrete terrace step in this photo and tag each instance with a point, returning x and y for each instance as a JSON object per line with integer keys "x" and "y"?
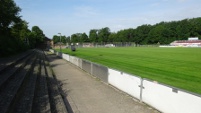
{"x": 29, "y": 86}
{"x": 41, "y": 101}
{"x": 5, "y": 63}
{"x": 11, "y": 70}
{"x": 57, "y": 102}
{"x": 25, "y": 100}
{"x": 10, "y": 91}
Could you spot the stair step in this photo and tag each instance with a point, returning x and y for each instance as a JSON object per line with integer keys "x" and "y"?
{"x": 12, "y": 70}
{"x": 41, "y": 101}
{"x": 6, "y": 63}
{"x": 29, "y": 86}
{"x": 9, "y": 92}
{"x": 57, "y": 103}
{"x": 24, "y": 103}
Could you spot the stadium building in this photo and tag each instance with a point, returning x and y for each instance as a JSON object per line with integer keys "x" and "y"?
{"x": 191, "y": 42}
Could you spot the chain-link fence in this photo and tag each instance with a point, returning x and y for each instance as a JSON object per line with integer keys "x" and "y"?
{"x": 113, "y": 44}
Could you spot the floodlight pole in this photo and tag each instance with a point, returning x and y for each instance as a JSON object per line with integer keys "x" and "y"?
{"x": 60, "y": 42}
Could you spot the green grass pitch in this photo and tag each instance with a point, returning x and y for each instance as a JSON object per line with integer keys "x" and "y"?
{"x": 178, "y": 67}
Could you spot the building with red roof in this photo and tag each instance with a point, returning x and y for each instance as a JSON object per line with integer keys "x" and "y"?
{"x": 191, "y": 42}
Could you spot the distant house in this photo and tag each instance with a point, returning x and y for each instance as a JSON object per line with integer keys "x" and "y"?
{"x": 191, "y": 42}
{"x": 46, "y": 44}
{"x": 58, "y": 44}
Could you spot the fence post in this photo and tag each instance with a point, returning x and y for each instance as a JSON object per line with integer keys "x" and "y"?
{"x": 141, "y": 89}
{"x": 91, "y": 68}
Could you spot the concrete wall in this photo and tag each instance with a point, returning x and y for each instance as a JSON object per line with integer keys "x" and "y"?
{"x": 86, "y": 66}
{"x": 100, "y": 71}
{"x": 66, "y": 57}
{"x": 74, "y": 60}
{"x": 125, "y": 82}
{"x": 165, "y": 98}
{"x": 169, "y": 99}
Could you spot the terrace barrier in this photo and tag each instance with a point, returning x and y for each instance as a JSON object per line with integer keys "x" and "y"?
{"x": 169, "y": 99}
{"x": 165, "y": 98}
{"x": 86, "y": 66}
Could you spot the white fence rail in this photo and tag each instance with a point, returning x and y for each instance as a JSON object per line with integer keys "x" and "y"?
{"x": 165, "y": 98}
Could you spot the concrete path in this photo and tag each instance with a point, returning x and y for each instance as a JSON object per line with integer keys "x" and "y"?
{"x": 87, "y": 94}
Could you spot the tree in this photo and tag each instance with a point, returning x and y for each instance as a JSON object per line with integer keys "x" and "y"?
{"x": 195, "y": 27}
{"x": 56, "y": 39}
{"x": 182, "y": 29}
{"x": 63, "y": 39}
{"x": 112, "y": 37}
{"x": 14, "y": 33}
{"x": 93, "y": 36}
{"x": 10, "y": 43}
{"x": 163, "y": 32}
{"x": 9, "y": 14}
{"x": 103, "y": 34}
{"x": 155, "y": 34}
{"x": 142, "y": 34}
{"x": 36, "y": 36}
{"x": 84, "y": 38}
{"x": 68, "y": 40}
{"x": 38, "y": 33}
{"x": 120, "y": 36}
{"x": 20, "y": 30}
{"x": 75, "y": 38}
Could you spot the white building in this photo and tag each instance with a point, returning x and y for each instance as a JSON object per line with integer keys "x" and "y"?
{"x": 191, "y": 42}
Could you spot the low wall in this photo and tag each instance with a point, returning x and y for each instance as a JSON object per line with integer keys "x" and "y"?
{"x": 66, "y": 57}
{"x": 74, "y": 60}
{"x": 125, "y": 82}
{"x": 169, "y": 99}
{"x": 86, "y": 66}
{"x": 165, "y": 98}
{"x": 100, "y": 71}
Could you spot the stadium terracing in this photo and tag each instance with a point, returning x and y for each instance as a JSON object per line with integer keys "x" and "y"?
{"x": 191, "y": 42}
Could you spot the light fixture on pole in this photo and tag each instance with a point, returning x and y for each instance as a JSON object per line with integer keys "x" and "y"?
{"x": 60, "y": 42}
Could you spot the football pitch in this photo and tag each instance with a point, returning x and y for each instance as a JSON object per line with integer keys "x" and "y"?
{"x": 178, "y": 67}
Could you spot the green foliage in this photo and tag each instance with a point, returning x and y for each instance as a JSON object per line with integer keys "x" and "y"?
{"x": 179, "y": 67}
{"x": 9, "y": 13}
{"x": 84, "y": 38}
{"x": 112, "y": 37}
{"x": 93, "y": 36}
{"x": 14, "y": 33}
{"x": 75, "y": 38}
{"x": 163, "y": 33}
{"x": 79, "y": 38}
{"x": 38, "y": 34}
{"x": 10, "y": 45}
{"x": 10, "y": 22}
{"x": 64, "y": 40}
{"x": 20, "y": 30}
{"x": 103, "y": 34}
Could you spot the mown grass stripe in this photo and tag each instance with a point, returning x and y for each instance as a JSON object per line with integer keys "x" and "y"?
{"x": 179, "y": 67}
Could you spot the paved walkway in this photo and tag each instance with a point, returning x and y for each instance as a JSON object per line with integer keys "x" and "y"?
{"x": 87, "y": 94}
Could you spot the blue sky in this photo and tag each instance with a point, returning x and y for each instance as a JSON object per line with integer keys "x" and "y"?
{"x": 78, "y": 16}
